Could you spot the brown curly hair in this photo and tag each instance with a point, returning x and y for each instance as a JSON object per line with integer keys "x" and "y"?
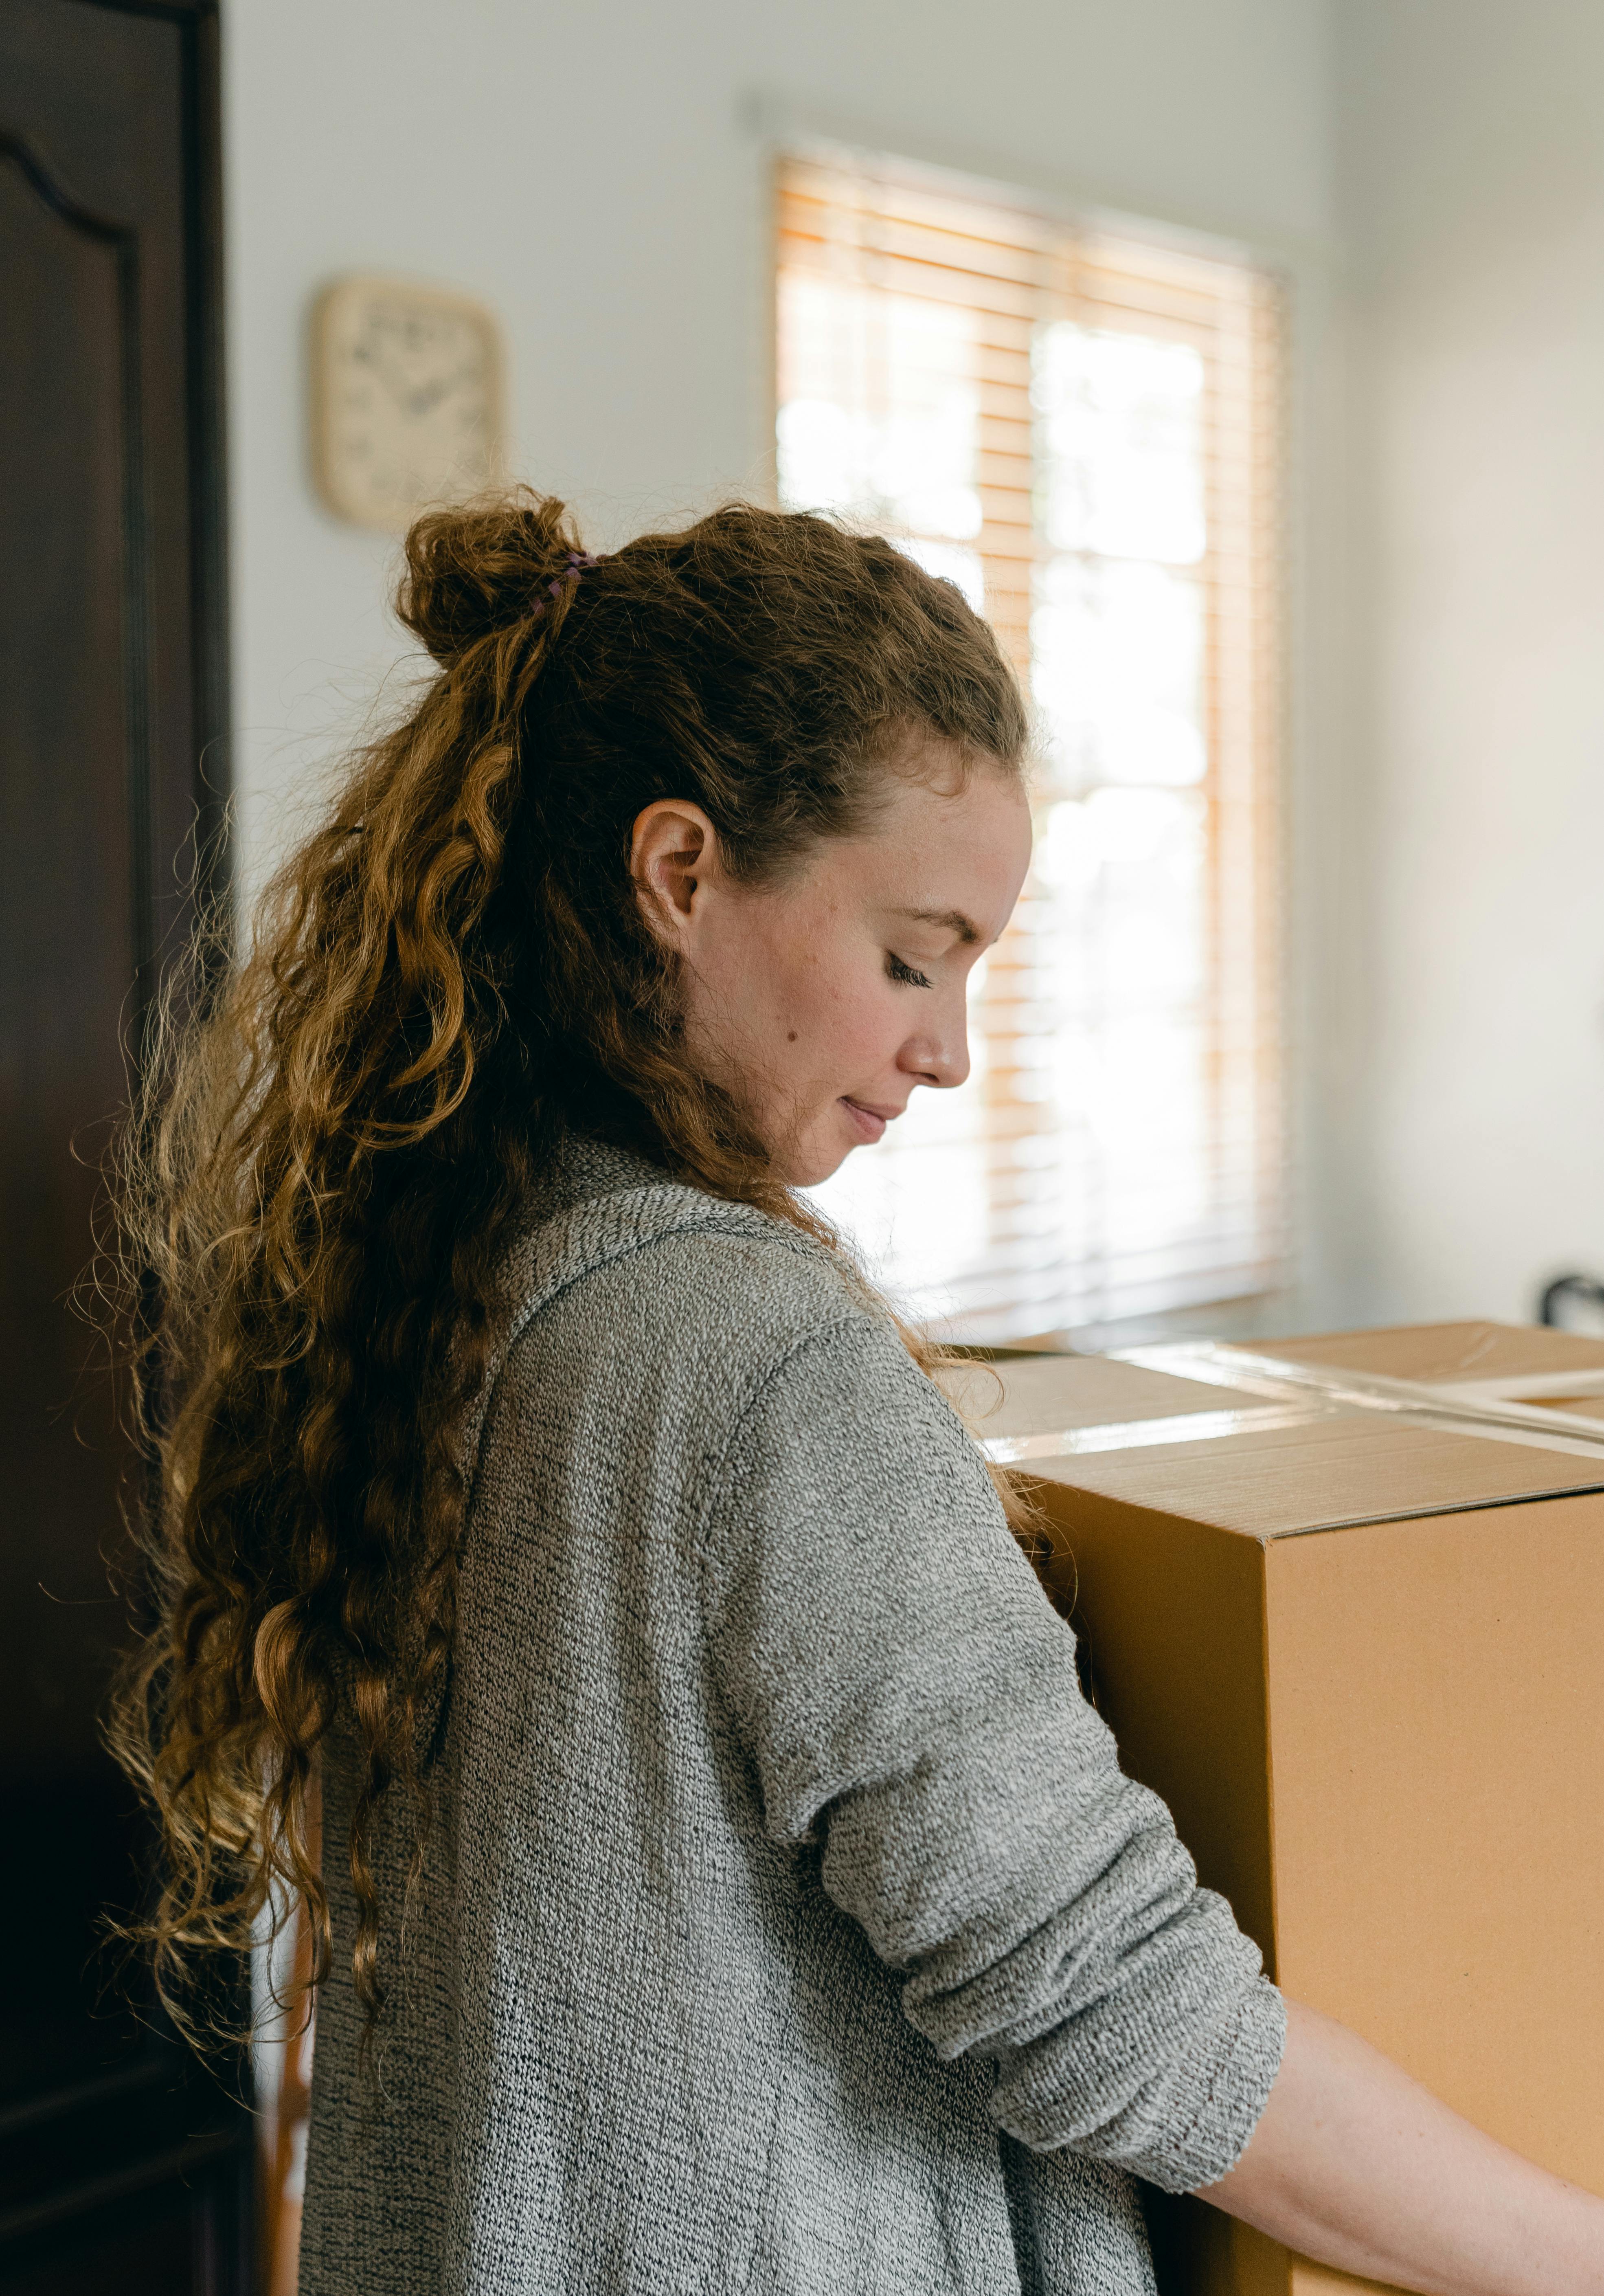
{"x": 331, "y": 1148}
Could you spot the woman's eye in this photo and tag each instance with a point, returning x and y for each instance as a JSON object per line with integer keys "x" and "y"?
{"x": 905, "y": 973}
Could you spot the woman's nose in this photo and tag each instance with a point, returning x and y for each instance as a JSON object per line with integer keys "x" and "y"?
{"x": 942, "y": 1058}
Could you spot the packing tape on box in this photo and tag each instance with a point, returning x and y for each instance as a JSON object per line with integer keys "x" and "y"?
{"x": 1297, "y": 1395}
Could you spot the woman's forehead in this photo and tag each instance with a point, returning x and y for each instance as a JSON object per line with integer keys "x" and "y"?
{"x": 951, "y": 862}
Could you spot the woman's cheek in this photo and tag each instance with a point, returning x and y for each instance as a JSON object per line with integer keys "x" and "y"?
{"x": 877, "y": 1026}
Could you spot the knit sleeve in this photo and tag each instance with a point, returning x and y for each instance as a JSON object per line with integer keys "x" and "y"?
{"x": 910, "y": 1700}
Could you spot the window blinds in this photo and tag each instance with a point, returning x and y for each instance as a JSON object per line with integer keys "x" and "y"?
{"x": 1084, "y": 432}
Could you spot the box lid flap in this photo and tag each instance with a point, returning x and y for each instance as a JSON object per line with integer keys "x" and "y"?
{"x": 1325, "y": 1472}
{"x": 1039, "y": 1394}
{"x": 1434, "y": 1352}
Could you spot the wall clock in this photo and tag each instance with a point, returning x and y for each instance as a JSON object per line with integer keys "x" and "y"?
{"x": 407, "y": 400}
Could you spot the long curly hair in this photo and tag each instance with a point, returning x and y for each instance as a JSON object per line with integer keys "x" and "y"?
{"x": 332, "y": 1143}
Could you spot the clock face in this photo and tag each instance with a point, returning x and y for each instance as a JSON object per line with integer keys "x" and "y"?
{"x": 408, "y": 399}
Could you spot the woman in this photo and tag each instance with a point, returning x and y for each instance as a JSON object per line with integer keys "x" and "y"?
{"x": 725, "y": 1885}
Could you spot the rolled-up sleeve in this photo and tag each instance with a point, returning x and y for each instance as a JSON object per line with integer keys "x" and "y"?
{"x": 910, "y": 1701}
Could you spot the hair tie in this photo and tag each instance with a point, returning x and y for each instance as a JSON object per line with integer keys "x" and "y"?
{"x": 578, "y": 562}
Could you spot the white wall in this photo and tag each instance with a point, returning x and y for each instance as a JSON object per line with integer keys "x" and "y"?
{"x": 1473, "y": 198}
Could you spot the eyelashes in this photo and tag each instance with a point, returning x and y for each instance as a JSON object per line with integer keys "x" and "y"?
{"x": 905, "y": 973}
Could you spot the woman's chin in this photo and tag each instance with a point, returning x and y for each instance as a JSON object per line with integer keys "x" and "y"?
{"x": 815, "y": 1153}
{"x": 813, "y": 1171}
{"x": 809, "y": 1163}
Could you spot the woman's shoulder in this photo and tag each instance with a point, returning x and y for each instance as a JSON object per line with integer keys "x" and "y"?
{"x": 623, "y": 1263}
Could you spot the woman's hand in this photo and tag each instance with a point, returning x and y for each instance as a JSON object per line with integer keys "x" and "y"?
{"x": 1357, "y": 2165}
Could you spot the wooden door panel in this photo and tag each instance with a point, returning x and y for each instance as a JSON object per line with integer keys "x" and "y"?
{"x": 112, "y": 685}
{"x": 68, "y": 941}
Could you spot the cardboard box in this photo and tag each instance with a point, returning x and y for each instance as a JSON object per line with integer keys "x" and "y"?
{"x": 1342, "y": 1601}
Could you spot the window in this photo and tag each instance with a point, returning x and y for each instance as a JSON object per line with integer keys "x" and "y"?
{"x": 1084, "y": 432}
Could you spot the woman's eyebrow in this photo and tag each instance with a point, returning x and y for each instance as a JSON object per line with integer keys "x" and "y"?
{"x": 952, "y": 921}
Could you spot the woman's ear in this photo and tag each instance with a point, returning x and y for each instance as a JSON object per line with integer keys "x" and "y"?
{"x": 673, "y": 853}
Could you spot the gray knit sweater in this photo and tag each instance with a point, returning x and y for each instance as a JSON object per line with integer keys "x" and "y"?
{"x": 787, "y": 1923}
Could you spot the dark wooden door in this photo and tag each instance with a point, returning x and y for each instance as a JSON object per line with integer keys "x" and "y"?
{"x": 122, "y": 2165}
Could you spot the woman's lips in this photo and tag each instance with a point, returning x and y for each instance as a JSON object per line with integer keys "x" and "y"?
{"x": 870, "y": 1123}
